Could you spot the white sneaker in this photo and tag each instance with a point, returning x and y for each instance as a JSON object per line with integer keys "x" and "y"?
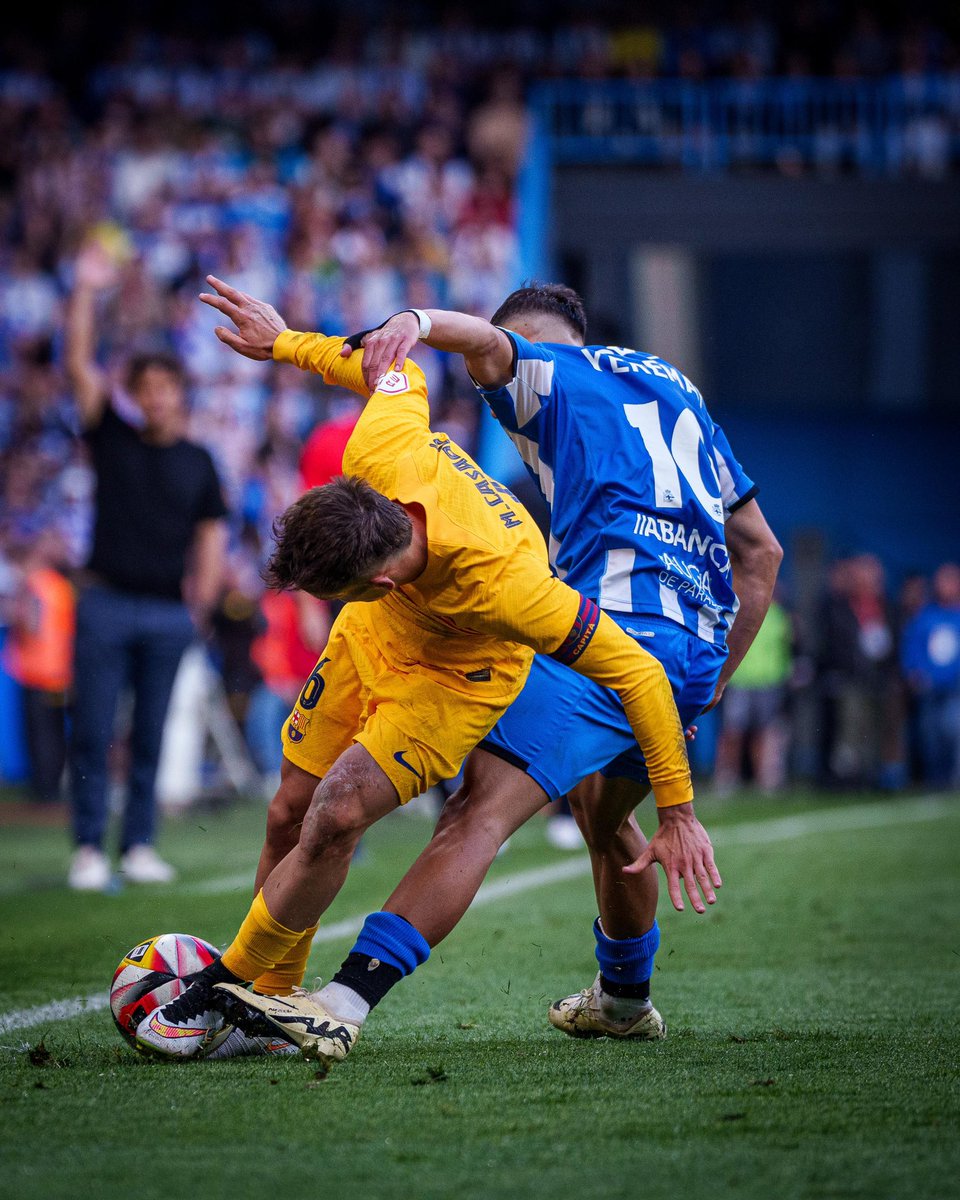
{"x": 563, "y": 833}
{"x": 89, "y": 870}
{"x": 142, "y": 864}
{"x": 582, "y": 1016}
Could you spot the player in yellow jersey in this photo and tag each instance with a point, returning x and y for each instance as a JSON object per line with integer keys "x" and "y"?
{"x": 455, "y": 597}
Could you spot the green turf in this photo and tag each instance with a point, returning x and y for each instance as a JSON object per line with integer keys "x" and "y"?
{"x": 814, "y": 1015}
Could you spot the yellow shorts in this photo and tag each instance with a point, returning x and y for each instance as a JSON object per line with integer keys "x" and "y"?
{"x": 416, "y": 722}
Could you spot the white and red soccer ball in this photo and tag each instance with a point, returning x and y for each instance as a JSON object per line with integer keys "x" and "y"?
{"x": 154, "y": 972}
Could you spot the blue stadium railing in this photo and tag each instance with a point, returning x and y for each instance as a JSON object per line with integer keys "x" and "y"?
{"x": 719, "y": 124}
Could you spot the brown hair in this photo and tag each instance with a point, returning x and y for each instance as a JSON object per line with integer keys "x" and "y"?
{"x": 335, "y": 536}
{"x": 552, "y": 299}
{"x": 141, "y": 363}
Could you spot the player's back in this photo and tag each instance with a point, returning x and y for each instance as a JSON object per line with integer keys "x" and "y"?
{"x": 638, "y": 477}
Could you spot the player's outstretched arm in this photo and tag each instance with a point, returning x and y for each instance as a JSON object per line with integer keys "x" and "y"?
{"x": 487, "y": 351}
{"x": 262, "y": 334}
{"x": 94, "y": 273}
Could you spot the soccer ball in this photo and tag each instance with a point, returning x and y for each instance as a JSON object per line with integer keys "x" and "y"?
{"x": 152, "y": 973}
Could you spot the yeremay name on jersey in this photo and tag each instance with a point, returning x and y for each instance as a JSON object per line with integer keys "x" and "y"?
{"x": 581, "y": 414}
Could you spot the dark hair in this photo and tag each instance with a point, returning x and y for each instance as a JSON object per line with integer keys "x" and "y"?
{"x": 335, "y": 536}
{"x": 552, "y": 299}
{"x": 141, "y": 363}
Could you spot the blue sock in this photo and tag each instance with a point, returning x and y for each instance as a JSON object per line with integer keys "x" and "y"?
{"x": 626, "y": 964}
{"x": 388, "y": 948}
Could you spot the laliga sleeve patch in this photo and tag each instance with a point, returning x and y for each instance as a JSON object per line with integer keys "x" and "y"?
{"x": 393, "y": 383}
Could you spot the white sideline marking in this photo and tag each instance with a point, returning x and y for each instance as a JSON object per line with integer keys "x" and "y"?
{"x": 750, "y": 833}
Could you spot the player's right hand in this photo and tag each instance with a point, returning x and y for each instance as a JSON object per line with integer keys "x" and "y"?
{"x": 682, "y": 847}
{"x": 259, "y": 323}
{"x": 389, "y": 344}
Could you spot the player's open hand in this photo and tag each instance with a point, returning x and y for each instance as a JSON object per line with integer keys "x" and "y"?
{"x": 389, "y": 344}
{"x": 257, "y": 322}
{"x": 682, "y": 847}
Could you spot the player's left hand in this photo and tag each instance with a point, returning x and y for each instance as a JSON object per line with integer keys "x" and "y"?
{"x": 389, "y": 344}
{"x": 258, "y": 323}
{"x": 682, "y": 847}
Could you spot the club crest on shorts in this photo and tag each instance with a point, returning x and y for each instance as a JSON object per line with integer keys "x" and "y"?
{"x": 297, "y": 726}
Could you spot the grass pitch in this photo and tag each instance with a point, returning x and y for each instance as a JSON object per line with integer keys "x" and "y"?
{"x": 814, "y": 1029}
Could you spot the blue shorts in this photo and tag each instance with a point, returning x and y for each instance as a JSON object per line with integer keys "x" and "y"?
{"x": 563, "y": 726}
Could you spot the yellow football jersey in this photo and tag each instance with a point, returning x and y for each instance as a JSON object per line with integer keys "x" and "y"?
{"x": 487, "y": 599}
{"x": 485, "y": 552}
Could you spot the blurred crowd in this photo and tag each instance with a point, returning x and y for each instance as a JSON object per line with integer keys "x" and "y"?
{"x": 344, "y": 171}
{"x": 861, "y": 691}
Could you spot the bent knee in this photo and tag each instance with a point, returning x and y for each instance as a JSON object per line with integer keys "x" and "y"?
{"x": 336, "y": 819}
{"x": 287, "y": 811}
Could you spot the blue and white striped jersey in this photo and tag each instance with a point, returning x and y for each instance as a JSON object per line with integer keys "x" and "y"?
{"x": 638, "y": 478}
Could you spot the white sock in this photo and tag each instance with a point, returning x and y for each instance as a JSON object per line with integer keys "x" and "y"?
{"x": 344, "y": 1003}
{"x": 619, "y": 1008}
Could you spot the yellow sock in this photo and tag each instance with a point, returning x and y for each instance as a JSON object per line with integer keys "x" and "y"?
{"x": 289, "y": 972}
{"x": 261, "y": 943}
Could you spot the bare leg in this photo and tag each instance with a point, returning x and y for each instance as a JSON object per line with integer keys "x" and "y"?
{"x": 353, "y": 794}
{"x": 494, "y": 801}
{"x": 604, "y": 811}
{"x": 285, "y": 817}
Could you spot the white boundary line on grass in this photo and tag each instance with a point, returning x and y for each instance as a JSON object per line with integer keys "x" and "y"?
{"x": 777, "y": 829}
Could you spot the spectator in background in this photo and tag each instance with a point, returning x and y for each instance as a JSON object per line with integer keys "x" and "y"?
{"x": 296, "y": 629}
{"x": 930, "y": 656}
{"x": 322, "y": 456}
{"x": 861, "y": 737}
{"x": 753, "y": 709}
{"x": 158, "y": 516}
{"x": 913, "y": 595}
{"x": 39, "y": 656}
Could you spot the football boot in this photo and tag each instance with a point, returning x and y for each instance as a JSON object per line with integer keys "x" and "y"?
{"x": 582, "y": 1016}
{"x": 238, "y": 1044}
{"x": 191, "y": 1025}
{"x": 299, "y": 1017}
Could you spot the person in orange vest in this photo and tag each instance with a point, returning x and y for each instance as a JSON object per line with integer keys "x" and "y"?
{"x": 39, "y": 656}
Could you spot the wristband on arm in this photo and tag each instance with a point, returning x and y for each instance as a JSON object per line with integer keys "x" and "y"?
{"x": 355, "y": 339}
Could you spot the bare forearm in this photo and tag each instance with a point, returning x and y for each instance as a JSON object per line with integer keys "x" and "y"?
{"x": 85, "y": 377}
{"x": 460, "y": 333}
{"x": 487, "y": 351}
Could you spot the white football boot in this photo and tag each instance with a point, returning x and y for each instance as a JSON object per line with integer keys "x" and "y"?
{"x": 238, "y": 1044}
{"x": 317, "y": 1032}
{"x": 582, "y": 1016}
{"x": 187, "y": 1027}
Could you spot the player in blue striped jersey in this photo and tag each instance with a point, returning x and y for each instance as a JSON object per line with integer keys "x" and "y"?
{"x": 638, "y": 478}
{"x": 651, "y": 516}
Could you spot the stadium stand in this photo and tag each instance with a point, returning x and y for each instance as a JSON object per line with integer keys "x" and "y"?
{"x": 352, "y": 170}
